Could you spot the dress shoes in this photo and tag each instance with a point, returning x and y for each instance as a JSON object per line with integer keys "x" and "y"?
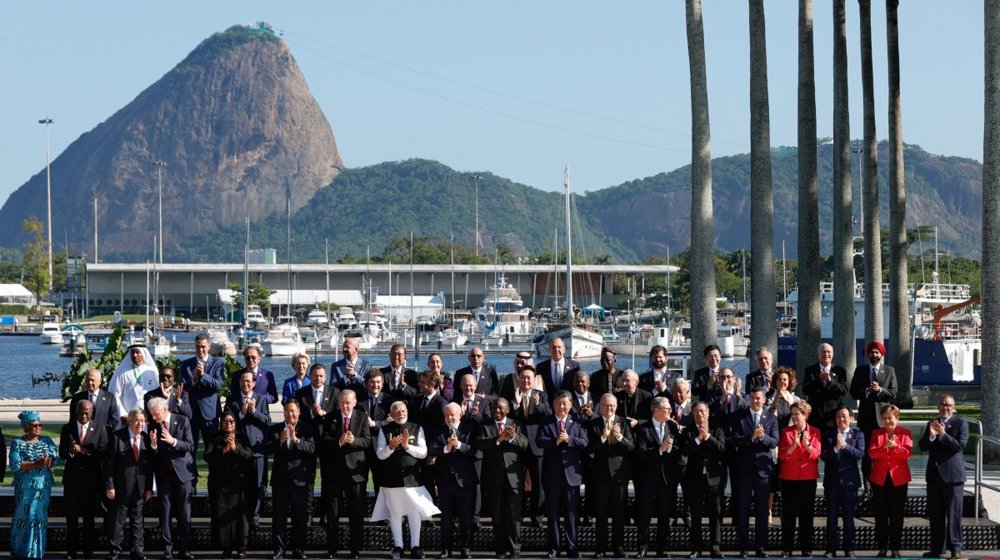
{"x": 620, "y": 553}
{"x": 881, "y": 553}
{"x": 241, "y": 555}
{"x": 896, "y": 554}
{"x": 743, "y": 554}
{"x": 444, "y": 554}
{"x": 136, "y": 557}
{"x": 829, "y": 554}
{"x": 298, "y": 555}
{"x": 598, "y": 555}
{"x": 168, "y": 555}
{"x": 695, "y": 554}
{"x": 278, "y": 555}
{"x": 932, "y": 554}
{"x": 70, "y": 556}
{"x": 416, "y": 552}
{"x": 573, "y": 554}
{"x": 186, "y": 556}
{"x": 354, "y": 555}
{"x": 113, "y": 557}
{"x": 760, "y": 553}
{"x": 552, "y": 554}
{"x": 396, "y": 553}
{"x": 848, "y": 554}
{"x": 806, "y": 554}
{"x": 957, "y": 553}
{"x": 642, "y": 552}
{"x": 466, "y": 553}
{"x": 716, "y": 553}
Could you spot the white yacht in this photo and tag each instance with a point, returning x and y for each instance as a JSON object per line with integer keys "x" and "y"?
{"x": 503, "y": 314}
{"x": 283, "y": 339}
{"x": 51, "y": 333}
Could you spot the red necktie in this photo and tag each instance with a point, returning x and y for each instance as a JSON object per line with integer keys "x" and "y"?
{"x": 562, "y": 425}
{"x": 135, "y": 449}
{"x": 347, "y": 424}
{"x": 83, "y": 435}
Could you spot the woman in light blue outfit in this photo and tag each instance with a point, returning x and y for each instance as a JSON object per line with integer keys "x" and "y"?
{"x": 31, "y": 460}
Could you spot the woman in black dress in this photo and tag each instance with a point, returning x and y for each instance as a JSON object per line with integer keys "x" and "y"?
{"x": 228, "y": 456}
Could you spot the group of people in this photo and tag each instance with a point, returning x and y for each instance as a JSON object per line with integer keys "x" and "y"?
{"x": 468, "y": 444}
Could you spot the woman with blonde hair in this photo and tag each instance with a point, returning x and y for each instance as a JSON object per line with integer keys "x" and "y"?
{"x": 890, "y": 451}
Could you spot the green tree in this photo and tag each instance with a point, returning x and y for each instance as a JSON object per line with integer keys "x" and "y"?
{"x": 259, "y": 295}
{"x": 34, "y": 260}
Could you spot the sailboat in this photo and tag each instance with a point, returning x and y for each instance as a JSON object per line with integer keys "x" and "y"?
{"x": 581, "y": 343}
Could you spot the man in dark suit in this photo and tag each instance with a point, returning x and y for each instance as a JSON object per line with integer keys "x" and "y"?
{"x": 509, "y": 382}
{"x": 399, "y": 381}
{"x": 944, "y": 440}
{"x": 843, "y": 448}
{"x": 824, "y": 386}
{"x": 128, "y": 482}
{"x": 105, "y": 403}
{"x": 563, "y": 440}
{"x": 475, "y": 406}
{"x": 172, "y": 442}
{"x": 264, "y": 384}
{"x": 873, "y": 386}
{"x": 427, "y": 411}
{"x": 345, "y": 440}
{"x": 660, "y": 469}
{"x": 558, "y": 372}
{"x": 484, "y": 374}
{"x": 584, "y": 405}
{"x": 503, "y": 445}
{"x": 658, "y": 379}
{"x": 760, "y": 378}
{"x": 452, "y": 449}
{"x": 293, "y": 472}
{"x": 530, "y": 409}
{"x": 177, "y": 397}
{"x": 375, "y": 404}
{"x": 754, "y": 436}
{"x": 82, "y": 444}
{"x": 349, "y": 372}
{"x": 633, "y": 401}
{"x": 202, "y": 377}
{"x": 316, "y": 400}
{"x": 253, "y": 421}
{"x": 607, "y": 379}
{"x": 704, "y": 449}
{"x": 610, "y": 444}
{"x": 707, "y": 378}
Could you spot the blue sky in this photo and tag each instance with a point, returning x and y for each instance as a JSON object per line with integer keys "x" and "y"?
{"x": 518, "y": 88}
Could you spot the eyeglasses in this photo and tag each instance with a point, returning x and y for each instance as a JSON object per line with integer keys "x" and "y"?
{"x": 947, "y": 405}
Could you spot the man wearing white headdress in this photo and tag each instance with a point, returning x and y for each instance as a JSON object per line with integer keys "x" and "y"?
{"x": 135, "y": 375}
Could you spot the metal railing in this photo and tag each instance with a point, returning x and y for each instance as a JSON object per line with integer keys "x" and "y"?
{"x": 981, "y": 440}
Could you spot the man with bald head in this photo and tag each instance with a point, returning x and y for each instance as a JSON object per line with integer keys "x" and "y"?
{"x": 105, "y": 404}
{"x": 82, "y": 443}
{"x": 824, "y": 385}
{"x": 453, "y": 452}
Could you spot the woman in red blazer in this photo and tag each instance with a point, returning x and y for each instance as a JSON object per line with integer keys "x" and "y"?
{"x": 799, "y": 451}
{"x": 890, "y": 451}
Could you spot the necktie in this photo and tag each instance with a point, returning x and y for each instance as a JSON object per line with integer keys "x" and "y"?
{"x": 661, "y": 431}
{"x": 874, "y": 373}
{"x": 93, "y": 398}
{"x": 499, "y": 428}
{"x": 558, "y": 375}
{"x": 678, "y": 411}
{"x": 83, "y": 434}
{"x": 608, "y": 423}
{"x": 524, "y": 404}
{"x": 288, "y": 440}
{"x": 562, "y": 425}
{"x": 347, "y": 424}
{"x": 756, "y": 419}
{"x": 135, "y": 448}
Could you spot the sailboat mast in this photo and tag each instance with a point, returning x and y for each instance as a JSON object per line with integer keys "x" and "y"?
{"x": 569, "y": 265}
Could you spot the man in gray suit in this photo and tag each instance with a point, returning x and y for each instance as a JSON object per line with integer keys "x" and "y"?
{"x": 873, "y": 385}
{"x": 944, "y": 439}
{"x": 172, "y": 442}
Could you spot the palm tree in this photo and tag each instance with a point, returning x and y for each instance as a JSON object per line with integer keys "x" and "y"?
{"x": 762, "y": 322}
{"x": 991, "y": 230}
{"x": 899, "y": 315}
{"x": 808, "y": 274}
{"x": 703, "y": 330}
{"x": 869, "y": 167}
{"x": 843, "y": 246}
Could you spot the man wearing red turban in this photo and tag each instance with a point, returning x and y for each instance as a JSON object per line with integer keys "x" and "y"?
{"x": 873, "y": 386}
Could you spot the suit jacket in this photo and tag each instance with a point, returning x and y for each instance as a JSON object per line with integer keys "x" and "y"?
{"x": 824, "y": 396}
{"x": 294, "y": 466}
{"x": 429, "y": 415}
{"x": 721, "y": 409}
{"x": 706, "y": 461}
{"x": 253, "y": 426}
{"x": 612, "y": 460}
{"x": 565, "y": 460}
{"x": 647, "y": 381}
{"x": 869, "y": 406}
{"x": 477, "y": 400}
{"x": 265, "y": 386}
{"x": 404, "y": 393}
{"x": 637, "y": 406}
{"x": 753, "y": 457}
{"x": 130, "y": 478}
{"x": 338, "y": 374}
{"x": 488, "y": 383}
{"x": 503, "y": 465}
{"x": 653, "y": 466}
{"x": 348, "y": 461}
{"x": 183, "y": 409}
{"x": 756, "y": 379}
{"x": 946, "y": 451}
{"x": 601, "y": 382}
{"x": 841, "y": 467}
{"x": 570, "y": 369}
{"x": 176, "y": 460}
{"x": 377, "y": 412}
{"x": 895, "y": 461}
{"x": 105, "y": 411}
{"x": 803, "y": 464}
{"x": 457, "y": 467}
{"x": 204, "y": 393}
{"x": 307, "y": 398}
{"x": 290, "y": 386}
{"x": 577, "y": 408}
{"x": 699, "y": 384}
{"x": 82, "y": 472}
{"x": 531, "y": 418}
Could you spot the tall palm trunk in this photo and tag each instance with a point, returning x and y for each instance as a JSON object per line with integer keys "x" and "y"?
{"x": 703, "y": 329}
{"x": 899, "y": 313}
{"x": 808, "y": 275}
{"x": 869, "y": 158}
{"x": 991, "y": 230}
{"x": 763, "y": 320}
{"x": 843, "y": 229}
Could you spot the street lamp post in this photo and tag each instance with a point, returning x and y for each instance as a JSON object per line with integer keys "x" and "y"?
{"x": 160, "y": 164}
{"x": 477, "y": 178}
{"x": 48, "y": 190}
